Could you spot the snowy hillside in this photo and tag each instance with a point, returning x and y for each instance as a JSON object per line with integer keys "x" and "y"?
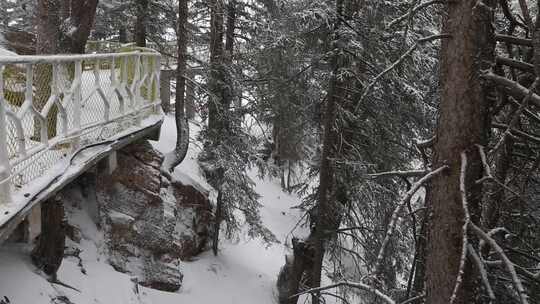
{"x": 244, "y": 273}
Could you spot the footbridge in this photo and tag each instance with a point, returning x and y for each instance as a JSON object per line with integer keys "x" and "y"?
{"x": 62, "y": 114}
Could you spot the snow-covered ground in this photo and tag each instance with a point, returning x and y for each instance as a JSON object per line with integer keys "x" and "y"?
{"x": 243, "y": 273}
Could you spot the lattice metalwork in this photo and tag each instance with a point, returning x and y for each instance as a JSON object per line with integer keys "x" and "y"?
{"x": 51, "y": 106}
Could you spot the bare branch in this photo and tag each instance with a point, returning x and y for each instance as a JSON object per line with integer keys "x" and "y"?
{"x": 518, "y": 132}
{"x": 356, "y": 285}
{"x": 413, "y": 299}
{"x": 487, "y": 169}
{"x": 482, "y": 270}
{"x": 520, "y": 65}
{"x": 512, "y": 88}
{"x": 516, "y": 115}
{"x": 397, "y": 211}
{"x": 513, "y": 40}
{"x": 505, "y": 260}
{"x": 463, "y": 191}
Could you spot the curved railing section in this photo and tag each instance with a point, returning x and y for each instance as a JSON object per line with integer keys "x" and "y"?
{"x": 51, "y": 106}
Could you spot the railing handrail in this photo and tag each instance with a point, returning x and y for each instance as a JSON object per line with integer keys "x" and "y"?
{"x": 34, "y": 59}
{"x": 126, "y": 93}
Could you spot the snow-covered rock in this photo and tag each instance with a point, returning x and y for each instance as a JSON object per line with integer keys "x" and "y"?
{"x": 150, "y": 224}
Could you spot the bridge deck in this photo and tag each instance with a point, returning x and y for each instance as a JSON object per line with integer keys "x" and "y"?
{"x": 59, "y": 115}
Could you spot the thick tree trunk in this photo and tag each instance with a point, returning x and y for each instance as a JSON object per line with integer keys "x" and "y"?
{"x": 83, "y": 15}
{"x": 216, "y": 106}
{"x": 228, "y": 94}
{"x": 327, "y": 213}
{"x": 49, "y": 251}
{"x": 217, "y": 111}
{"x": 182, "y": 126}
{"x": 190, "y": 95}
{"x": 463, "y": 123}
{"x": 141, "y": 22}
{"x": 122, "y": 35}
{"x": 218, "y": 218}
{"x": 48, "y": 42}
{"x": 48, "y": 26}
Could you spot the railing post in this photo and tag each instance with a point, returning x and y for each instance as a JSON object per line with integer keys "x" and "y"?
{"x": 5, "y": 168}
{"x": 77, "y": 100}
{"x": 157, "y": 83}
{"x": 137, "y": 83}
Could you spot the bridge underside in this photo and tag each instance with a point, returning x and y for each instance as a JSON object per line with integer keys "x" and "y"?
{"x": 29, "y": 198}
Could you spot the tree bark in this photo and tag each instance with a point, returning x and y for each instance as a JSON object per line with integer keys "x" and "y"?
{"x": 83, "y": 14}
{"x": 47, "y": 42}
{"x": 463, "y": 123}
{"x": 48, "y": 26}
{"x": 228, "y": 94}
{"x": 326, "y": 212}
{"x": 49, "y": 251}
{"x": 190, "y": 95}
{"x": 216, "y": 105}
{"x": 182, "y": 125}
{"x": 218, "y": 218}
{"x": 140, "y": 22}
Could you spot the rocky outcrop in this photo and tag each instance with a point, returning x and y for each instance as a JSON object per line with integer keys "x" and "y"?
{"x": 151, "y": 224}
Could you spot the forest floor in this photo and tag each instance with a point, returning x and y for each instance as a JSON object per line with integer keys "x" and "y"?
{"x": 244, "y": 272}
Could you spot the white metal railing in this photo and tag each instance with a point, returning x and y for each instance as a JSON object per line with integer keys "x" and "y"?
{"x": 50, "y": 106}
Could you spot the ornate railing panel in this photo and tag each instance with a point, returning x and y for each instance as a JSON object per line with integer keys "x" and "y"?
{"x": 51, "y": 106}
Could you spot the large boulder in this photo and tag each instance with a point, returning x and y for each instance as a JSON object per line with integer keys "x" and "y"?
{"x": 151, "y": 224}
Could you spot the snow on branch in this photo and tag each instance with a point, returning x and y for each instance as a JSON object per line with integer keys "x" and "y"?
{"x": 397, "y": 211}
{"x": 411, "y": 173}
{"x": 396, "y": 63}
{"x": 425, "y": 143}
{"x": 413, "y": 11}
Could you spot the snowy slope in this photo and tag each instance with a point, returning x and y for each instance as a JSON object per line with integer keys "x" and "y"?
{"x": 243, "y": 273}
